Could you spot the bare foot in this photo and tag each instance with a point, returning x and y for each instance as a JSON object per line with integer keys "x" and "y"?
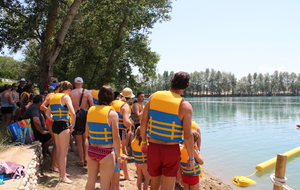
{"x": 55, "y": 169}
{"x": 129, "y": 178}
{"x": 67, "y": 180}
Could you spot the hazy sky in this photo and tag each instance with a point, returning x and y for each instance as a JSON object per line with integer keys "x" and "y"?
{"x": 237, "y": 36}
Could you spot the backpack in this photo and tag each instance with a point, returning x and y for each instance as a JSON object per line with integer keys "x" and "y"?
{"x": 24, "y": 136}
{"x": 80, "y": 117}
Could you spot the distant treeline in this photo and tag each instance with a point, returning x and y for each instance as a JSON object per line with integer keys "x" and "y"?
{"x": 215, "y": 83}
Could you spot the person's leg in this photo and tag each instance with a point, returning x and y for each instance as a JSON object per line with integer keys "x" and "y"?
{"x": 186, "y": 186}
{"x": 93, "y": 170}
{"x": 63, "y": 143}
{"x": 155, "y": 183}
{"x": 79, "y": 144}
{"x": 167, "y": 183}
{"x": 146, "y": 175}
{"x": 194, "y": 187}
{"x": 85, "y": 146}
{"x": 45, "y": 145}
{"x": 125, "y": 170}
{"x": 139, "y": 177}
{"x": 107, "y": 165}
{"x": 71, "y": 142}
{"x": 115, "y": 181}
{"x": 53, "y": 164}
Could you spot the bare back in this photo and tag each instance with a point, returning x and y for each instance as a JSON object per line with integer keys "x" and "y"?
{"x": 86, "y": 99}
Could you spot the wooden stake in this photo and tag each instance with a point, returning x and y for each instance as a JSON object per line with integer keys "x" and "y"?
{"x": 280, "y": 169}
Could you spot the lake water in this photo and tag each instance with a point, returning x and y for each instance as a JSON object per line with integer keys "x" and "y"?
{"x": 239, "y": 133}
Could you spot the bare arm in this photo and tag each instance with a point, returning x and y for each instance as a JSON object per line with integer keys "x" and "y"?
{"x": 48, "y": 114}
{"x": 90, "y": 99}
{"x": 68, "y": 102}
{"x": 185, "y": 115}
{"x": 46, "y": 102}
{"x": 125, "y": 111}
{"x": 143, "y": 126}
{"x": 38, "y": 125}
{"x": 137, "y": 111}
{"x": 198, "y": 157}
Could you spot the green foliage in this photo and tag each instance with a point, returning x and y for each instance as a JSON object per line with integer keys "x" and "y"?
{"x": 11, "y": 69}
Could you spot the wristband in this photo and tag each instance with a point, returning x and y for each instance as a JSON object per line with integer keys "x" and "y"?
{"x": 191, "y": 159}
{"x": 144, "y": 142}
{"x": 73, "y": 124}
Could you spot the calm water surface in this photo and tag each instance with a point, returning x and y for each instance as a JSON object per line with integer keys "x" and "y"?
{"x": 240, "y": 133}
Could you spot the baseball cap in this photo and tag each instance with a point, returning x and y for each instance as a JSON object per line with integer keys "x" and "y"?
{"x": 22, "y": 79}
{"x": 78, "y": 80}
{"x": 51, "y": 88}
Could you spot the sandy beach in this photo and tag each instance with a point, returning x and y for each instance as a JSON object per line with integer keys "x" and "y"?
{"x": 50, "y": 180}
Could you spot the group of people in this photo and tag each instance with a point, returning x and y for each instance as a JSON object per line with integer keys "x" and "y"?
{"x": 160, "y": 135}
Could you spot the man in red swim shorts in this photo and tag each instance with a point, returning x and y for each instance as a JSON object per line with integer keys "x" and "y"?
{"x": 166, "y": 118}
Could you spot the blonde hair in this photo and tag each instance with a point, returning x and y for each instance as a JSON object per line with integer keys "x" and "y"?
{"x": 196, "y": 135}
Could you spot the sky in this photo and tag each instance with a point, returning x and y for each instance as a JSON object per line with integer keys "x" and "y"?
{"x": 237, "y": 36}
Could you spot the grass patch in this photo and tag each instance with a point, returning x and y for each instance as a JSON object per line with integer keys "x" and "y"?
{"x": 5, "y": 140}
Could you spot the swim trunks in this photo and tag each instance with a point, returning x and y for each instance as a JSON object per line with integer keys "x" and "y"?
{"x": 59, "y": 126}
{"x": 191, "y": 180}
{"x": 163, "y": 159}
{"x": 97, "y": 154}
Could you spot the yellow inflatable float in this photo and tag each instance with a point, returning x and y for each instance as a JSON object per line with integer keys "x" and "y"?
{"x": 244, "y": 181}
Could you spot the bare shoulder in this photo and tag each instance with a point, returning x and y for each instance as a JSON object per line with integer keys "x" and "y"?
{"x": 186, "y": 106}
{"x": 113, "y": 114}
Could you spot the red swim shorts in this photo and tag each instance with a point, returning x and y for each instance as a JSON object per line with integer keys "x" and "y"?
{"x": 163, "y": 159}
{"x": 191, "y": 180}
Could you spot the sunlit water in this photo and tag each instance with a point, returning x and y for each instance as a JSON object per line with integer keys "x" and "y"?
{"x": 240, "y": 133}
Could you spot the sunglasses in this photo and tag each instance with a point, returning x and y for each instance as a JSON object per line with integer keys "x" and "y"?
{"x": 15, "y": 86}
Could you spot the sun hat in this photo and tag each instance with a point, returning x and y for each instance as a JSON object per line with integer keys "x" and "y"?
{"x": 78, "y": 80}
{"x": 127, "y": 93}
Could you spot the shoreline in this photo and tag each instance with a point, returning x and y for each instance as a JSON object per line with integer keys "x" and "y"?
{"x": 50, "y": 180}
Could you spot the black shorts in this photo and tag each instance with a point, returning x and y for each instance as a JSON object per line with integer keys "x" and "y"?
{"x": 6, "y": 110}
{"x": 59, "y": 126}
{"x": 43, "y": 138}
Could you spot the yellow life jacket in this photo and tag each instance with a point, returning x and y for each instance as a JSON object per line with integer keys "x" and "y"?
{"x": 97, "y": 121}
{"x": 25, "y": 103}
{"x": 134, "y": 117}
{"x": 95, "y": 96}
{"x": 196, "y": 171}
{"x": 58, "y": 111}
{"x": 164, "y": 123}
{"x": 139, "y": 157}
{"x": 116, "y": 104}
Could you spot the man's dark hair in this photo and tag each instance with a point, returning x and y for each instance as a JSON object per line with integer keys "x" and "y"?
{"x": 139, "y": 94}
{"x": 106, "y": 95}
{"x": 28, "y": 86}
{"x": 181, "y": 80}
{"x": 116, "y": 94}
{"x": 37, "y": 99}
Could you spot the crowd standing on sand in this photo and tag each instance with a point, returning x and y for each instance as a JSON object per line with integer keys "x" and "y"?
{"x": 108, "y": 126}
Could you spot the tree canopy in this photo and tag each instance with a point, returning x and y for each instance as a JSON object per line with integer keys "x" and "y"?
{"x": 101, "y": 41}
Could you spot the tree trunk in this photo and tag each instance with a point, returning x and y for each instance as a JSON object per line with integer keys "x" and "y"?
{"x": 48, "y": 56}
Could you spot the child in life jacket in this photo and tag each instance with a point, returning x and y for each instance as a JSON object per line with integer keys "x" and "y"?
{"x": 140, "y": 161}
{"x": 191, "y": 178}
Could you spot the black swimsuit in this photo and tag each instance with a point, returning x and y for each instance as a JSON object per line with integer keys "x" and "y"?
{"x": 59, "y": 126}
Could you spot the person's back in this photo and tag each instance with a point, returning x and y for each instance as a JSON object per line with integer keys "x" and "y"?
{"x": 81, "y": 100}
{"x": 167, "y": 116}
